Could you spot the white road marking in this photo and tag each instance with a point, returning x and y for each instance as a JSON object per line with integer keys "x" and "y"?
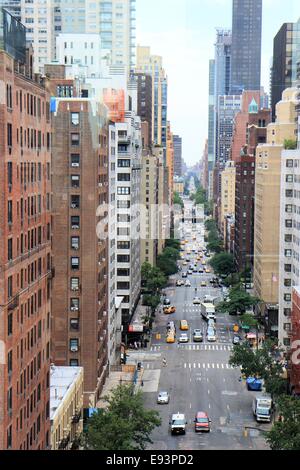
{"x": 185, "y": 365}
{"x": 227, "y": 366}
{"x": 195, "y": 366}
{"x": 208, "y": 391}
{"x": 213, "y": 366}
{"x": 222, "y": 366}
{"x": 203, "y": 366}
{"x": 208, "y": 366}
{"x": 190, "y": 366}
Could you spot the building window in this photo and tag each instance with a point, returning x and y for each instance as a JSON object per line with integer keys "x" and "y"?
{"x": 287, "y": 312}
{"x": 74, "y": 305}
{"x": 288, "y": 283}
{"x": 75, "y": 139}
{"x": 289, "y": 193}
{"x": 9, "y": 324}
{"x": 10, "y": 287}
{"x": 289, "y": 208}
{"x": 75, "y": 284}
{"x": 124, "y": 163}
{"x": 75, "y": 202}
{"x": 75, "y": 160}
{"x": 286, "y": 342}
{"x": 123, "y": 245}
{"x": 10, "y": 249}
{"x": 75, "y": 263}
{"x": 75, "y": 243}
{"x": 75, "y": 222}
{"x": 288, "y": 253}
{"x": 74, "y": 345}
{"x": 74, "y": 324}
{"x": 75, "y": 181}
{"x": 123, "y": 258}
{"x": 123, "y": 177}
{"x": 288, "y": 238}
{"x": 123, "y": 191}
{"x": 289, "y": 223}
{"x": 288, "y": 268}
{"x": 290, "y": 163}
{"x": 287, "y": 297}
{"x": 75, "y": 119}
{"x": 74, "y": 363}
{"x": 289, "y": 178}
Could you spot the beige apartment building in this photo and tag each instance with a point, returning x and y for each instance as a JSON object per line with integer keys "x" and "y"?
{"x": 267, "y": 206}
{"x": 66, "y": 407}
{"x": 152, "y": 65}
{"x": 227, "y": 194}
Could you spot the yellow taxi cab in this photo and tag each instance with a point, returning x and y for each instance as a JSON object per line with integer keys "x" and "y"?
{"x": 184, "y": 326}
{"x": 170, "y": 338}
{"x": 185, "y": 263}
{"x": 204, "y": 262}
{"x": 169, "y": 310}
{"x": 207, "y": 270}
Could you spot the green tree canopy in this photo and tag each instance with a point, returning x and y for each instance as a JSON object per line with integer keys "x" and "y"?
{"x": 239, "y": 301}
{"x": 223, "y": 263}
{"x": 260, "y": 364}
{"x": 285, "y": 434}
{"x": 124, "y": 425}
{"x": 177, "y": 200}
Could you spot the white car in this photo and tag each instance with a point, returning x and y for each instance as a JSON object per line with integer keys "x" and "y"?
{"x": 183, "y": 338}
{"x": 211, "y": 335}
{"x": 187, "y": 283}
{"x": 163, "y": 398}
{"x": 196, "y": 301}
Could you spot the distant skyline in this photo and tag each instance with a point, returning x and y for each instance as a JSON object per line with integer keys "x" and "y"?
{"x": 183, "y": 32}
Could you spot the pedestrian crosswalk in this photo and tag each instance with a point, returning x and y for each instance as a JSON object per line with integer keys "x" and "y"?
{"x": 208, "y": 366}
{"x": 198, "y": 347}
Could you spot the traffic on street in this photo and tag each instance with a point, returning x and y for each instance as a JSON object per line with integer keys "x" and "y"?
{"x": 202, "y": 399}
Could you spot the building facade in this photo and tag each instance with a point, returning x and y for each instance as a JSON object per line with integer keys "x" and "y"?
{"x": 228, "y": 178}
{"x": 289, "y": 263}
{"x": 228, "y": 107}
{"x": 267, "y": 208}
{"x": 152, "y": 65}
{"x": 286, "y": 54}
{"x": 25, "y": 256}
{"x": 246, "y": 45}
{"x": 80, "y": 197}
{"x": 294, "y": 376}
{"x": 144, "y": 109}
{"x": 66, "y": 407}
{"x": 177, "y": 143}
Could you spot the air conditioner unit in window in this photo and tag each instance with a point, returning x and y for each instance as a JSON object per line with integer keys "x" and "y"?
{"x": 74, "y": 206}
{"x": 74, "y": 348}
{"x": 100, "y": 185}
{"x": 104, "y": 313}
{"x": 75, "y": 227}
{"x": 75, "y": 165}
{"x": 75, "y": 289}
{"x": 74, "y": 309}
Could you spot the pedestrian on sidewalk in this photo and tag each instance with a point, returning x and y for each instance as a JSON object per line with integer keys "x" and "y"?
{"x": 164, "y": 362}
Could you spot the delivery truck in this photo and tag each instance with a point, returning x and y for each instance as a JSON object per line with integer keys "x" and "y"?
{"x": 208, "y": 311}
{"x": 262, "y": 408}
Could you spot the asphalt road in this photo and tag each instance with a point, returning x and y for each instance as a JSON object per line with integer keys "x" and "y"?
{"x": 198, "y": 377}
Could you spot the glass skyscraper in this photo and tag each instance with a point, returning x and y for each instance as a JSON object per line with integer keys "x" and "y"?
{"x": 246, "y": 45}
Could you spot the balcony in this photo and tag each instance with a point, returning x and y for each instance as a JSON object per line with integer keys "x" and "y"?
{"x": 76, "y": 418}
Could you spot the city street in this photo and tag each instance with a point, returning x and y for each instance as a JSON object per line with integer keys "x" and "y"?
{"x": 198, "y": 376}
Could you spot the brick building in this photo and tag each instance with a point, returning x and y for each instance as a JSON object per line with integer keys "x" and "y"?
{"x": 25, "y": 255}
{"x": 294, "y": 334}
{"x": 250, "y": 128}
{"x": 80, "y": 187}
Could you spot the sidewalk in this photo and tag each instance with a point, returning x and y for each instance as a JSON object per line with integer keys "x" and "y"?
{"x": 116, "y": 378}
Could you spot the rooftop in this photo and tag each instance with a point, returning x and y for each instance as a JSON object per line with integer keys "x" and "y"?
{"x": 61, "y": 380}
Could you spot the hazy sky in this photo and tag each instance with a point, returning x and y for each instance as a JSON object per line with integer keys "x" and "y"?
{"x": 183, "y": 33}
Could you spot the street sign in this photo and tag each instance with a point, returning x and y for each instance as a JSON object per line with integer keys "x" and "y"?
{"x": 158, "y": 336}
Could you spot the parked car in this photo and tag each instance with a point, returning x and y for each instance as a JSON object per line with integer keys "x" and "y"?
{"x": 163, "y": 398}
{"x": 167, "y": 302}
{"x": 187, "y": 283}
{"x": 196, "y": 301}
{"x": 184, "y": 275}
{"x": 202, "y": 422}
{"x": 179, "y": 283}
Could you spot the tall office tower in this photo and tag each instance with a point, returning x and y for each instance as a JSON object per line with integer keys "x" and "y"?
{"x": 25, "y": 246}
{"x": 177, "y": 142}
{"x": 222, "y": 70}
{"x": 246, "y": 45}
{"x": 42, "y": 21}
{"x": 152, "y": 65}
{"x": 204, "y": 170}
{"x": 113, "y": 20}
{"x": 228, "y": 107}
{"x": 267, "y": 210}
{"x": 80, "y": 250}
{"x": 13, "y": 7}
{"x": 286, "y": 54}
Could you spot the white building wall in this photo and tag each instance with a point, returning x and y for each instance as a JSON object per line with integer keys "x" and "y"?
{"x": 289, "y": 239}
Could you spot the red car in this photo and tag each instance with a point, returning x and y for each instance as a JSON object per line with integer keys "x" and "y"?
{"x": 202, "y": 422}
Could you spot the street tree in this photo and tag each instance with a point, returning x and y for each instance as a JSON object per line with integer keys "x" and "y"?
{"x": 151, "y": 300}
{"x": 177, "y": 200}
{"x": 285, "y": 434}
{"x": 223, "y": 264}
{"x": 239, "y": 301}
{"x": 261, "y": 364}
{"x": 125, "y": 424}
